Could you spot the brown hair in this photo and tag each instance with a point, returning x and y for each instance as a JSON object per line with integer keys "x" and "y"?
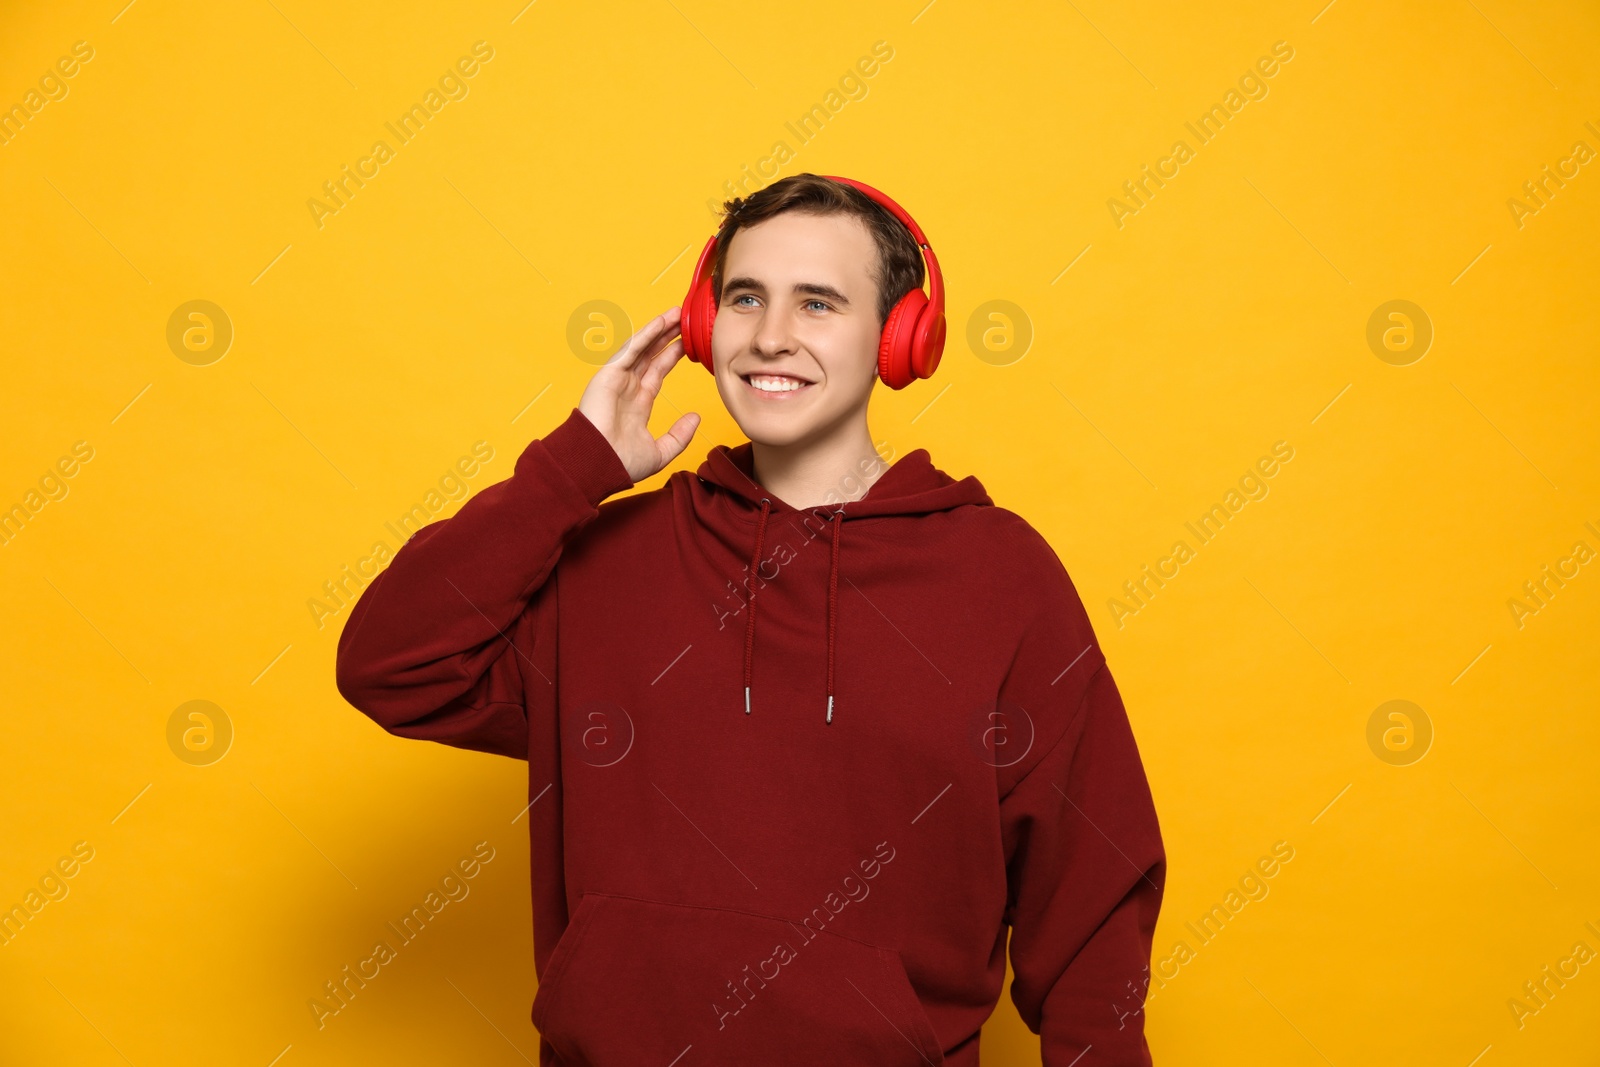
{"x": 899, "y": 268}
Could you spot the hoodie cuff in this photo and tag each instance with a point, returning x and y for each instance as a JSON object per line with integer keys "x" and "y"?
{"x": 585, "y": 456}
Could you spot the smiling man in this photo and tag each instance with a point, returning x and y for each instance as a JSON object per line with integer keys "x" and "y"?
{"x": 805, "y": 839}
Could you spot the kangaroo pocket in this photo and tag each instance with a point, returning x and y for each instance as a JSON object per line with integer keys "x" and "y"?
{"x": 638, "y": 981}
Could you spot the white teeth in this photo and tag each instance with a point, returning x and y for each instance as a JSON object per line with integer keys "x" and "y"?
{"x": 769, "y": 383}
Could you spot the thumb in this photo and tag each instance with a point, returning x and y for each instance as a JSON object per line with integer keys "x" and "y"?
{"x": 677, "y": 438}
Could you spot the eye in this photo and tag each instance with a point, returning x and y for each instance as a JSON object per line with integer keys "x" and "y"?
{"x": 824, "y": 305}
{"x": 743, "y": 296}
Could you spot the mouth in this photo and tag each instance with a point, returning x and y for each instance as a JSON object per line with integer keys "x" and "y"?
{"x": 775, "y": 387}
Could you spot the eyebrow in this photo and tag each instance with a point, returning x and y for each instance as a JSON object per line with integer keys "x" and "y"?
{"x": 808, "y": 288}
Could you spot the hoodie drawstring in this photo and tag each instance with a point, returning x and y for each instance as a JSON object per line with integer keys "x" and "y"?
{"x": 750, "y": 623}
{"x": 833, "y": 600}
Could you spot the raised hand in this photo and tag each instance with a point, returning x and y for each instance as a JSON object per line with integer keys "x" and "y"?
{"x": 620, "y": 396}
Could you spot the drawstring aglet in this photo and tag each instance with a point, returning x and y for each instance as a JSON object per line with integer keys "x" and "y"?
{"x": 830, "y": 708}
{"x": 747, "y": 700}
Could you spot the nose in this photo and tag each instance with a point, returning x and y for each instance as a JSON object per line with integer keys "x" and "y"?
{"x": 774, "y": 334}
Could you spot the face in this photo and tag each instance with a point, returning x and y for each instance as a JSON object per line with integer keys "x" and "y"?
{"x": 799, "y": 315}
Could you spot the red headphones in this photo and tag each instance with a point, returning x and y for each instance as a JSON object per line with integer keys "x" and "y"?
{"x": 913, "y": 334}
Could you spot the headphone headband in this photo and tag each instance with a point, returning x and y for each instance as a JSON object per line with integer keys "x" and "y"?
{"x": 935, "y": 276}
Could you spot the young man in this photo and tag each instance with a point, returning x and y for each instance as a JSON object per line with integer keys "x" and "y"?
{"x": 806, "y": 736}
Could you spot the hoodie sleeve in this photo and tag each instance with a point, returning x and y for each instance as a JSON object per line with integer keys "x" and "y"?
{"x": 429, "y": 650}
{"x": 1085, "y": 862}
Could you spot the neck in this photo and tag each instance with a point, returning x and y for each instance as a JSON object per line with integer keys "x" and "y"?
{"x": 816, "y": 474}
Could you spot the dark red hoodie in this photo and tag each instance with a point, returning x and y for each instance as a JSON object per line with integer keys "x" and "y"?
{"x": 793, "y": 774}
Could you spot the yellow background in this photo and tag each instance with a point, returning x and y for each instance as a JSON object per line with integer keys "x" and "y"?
{"x": 1229, "y": 313}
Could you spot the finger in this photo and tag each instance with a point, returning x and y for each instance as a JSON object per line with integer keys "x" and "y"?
{"x": 669, "y": 332}
{"x": 660, "y": 364}
{"x": 648, "y": 341}
{"x": 663, "y": 354}
{"x": 628, "y": 355}
{"x": 672, "y": 443}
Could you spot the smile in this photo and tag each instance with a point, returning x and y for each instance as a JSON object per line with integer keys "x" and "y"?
{"x": 774, "y": 386}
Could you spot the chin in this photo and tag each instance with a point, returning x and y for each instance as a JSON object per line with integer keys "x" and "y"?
{"x": 776, "y": 438}
{"x": 776, "y": 429}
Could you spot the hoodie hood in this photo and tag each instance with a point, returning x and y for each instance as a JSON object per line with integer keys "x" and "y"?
{"x": 911, "y": 487}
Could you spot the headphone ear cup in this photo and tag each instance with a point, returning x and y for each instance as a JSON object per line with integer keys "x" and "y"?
{"x": 699, "y": 309}
{"x": 895, "y": 345}
{"x": 699, "y": 315}
{"x": 927, "y": 344}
